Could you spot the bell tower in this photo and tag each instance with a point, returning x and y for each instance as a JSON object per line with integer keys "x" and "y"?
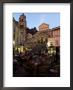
{"x": 20, "y": 36}
{"x": 22, "y": 21}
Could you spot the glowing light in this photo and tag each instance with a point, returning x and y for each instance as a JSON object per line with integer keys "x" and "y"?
{"x": 48, "y": 44}
{"x": 13, "y": 42}
{"x": 21, "y": 49}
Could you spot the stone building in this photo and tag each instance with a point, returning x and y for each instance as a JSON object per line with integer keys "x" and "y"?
{"x": 20, "y": 30}
{"x": 53, "y": 35}
{"x": 43, "y": 27}
{"x": 22, "y": 35}
{"x": 56, "y": 36}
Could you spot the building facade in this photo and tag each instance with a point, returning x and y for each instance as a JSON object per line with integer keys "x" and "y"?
{"x": 53, "y": 34}
{"x": 43, "y": 27}
{"x": 20, "y": 31}
{"x": 56, "y": 35}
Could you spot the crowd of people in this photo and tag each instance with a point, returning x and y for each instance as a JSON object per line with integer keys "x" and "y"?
{"x": 36, "y": 63}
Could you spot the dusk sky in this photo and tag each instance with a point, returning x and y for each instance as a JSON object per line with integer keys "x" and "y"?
{"x": 35, "y": 19}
